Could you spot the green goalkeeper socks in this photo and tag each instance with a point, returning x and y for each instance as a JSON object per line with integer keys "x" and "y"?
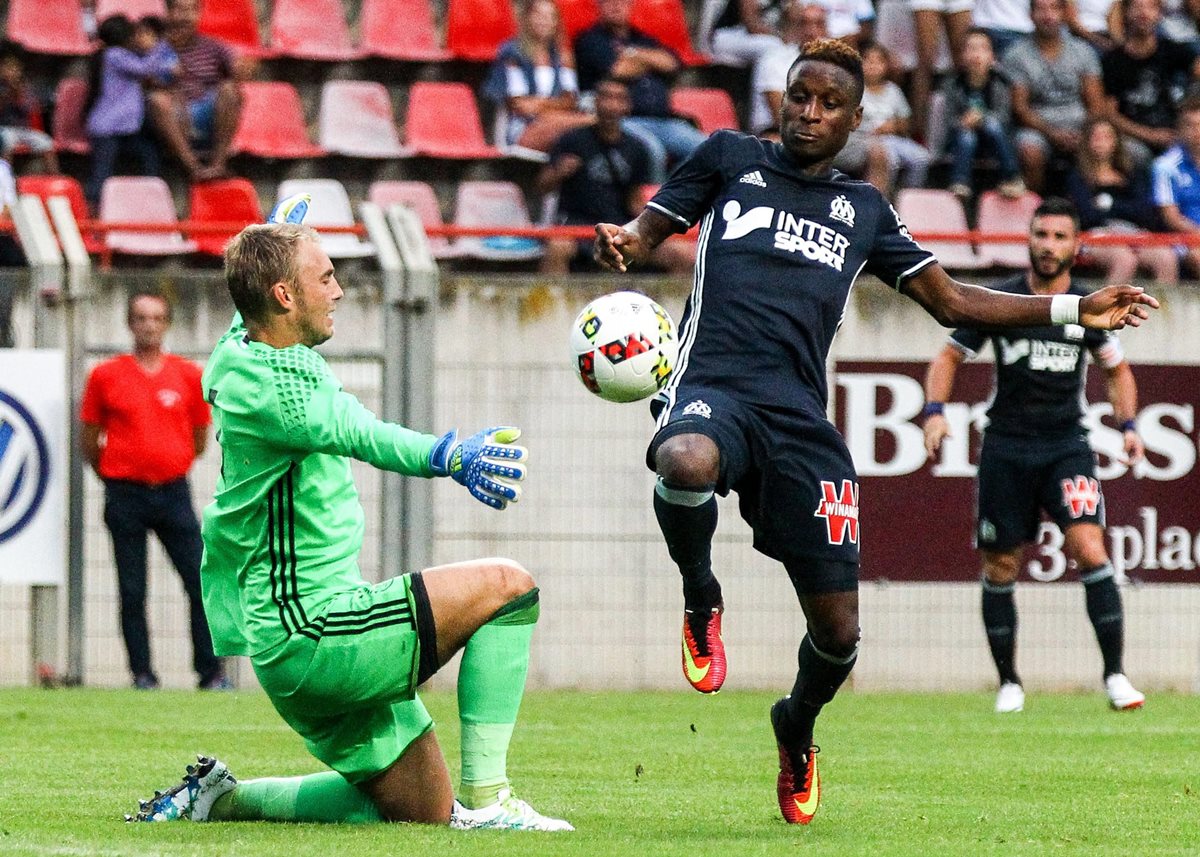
{"x": 491, "y": 682}
{"x": 325, "y": 797}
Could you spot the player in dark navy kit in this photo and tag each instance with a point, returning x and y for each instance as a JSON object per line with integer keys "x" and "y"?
{"x": 782, "y": 240}
{"x": 1036, "y": 455}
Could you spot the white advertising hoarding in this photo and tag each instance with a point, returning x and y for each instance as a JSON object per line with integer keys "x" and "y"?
{"x": 33, "y": 466}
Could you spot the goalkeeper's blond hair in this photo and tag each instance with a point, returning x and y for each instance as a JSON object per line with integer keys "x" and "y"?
{"x": 257, "y": 258}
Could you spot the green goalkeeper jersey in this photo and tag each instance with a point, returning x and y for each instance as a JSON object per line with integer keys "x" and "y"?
{"x": 283, "y": 533}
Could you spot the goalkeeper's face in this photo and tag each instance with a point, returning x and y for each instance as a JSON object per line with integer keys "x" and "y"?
{"x": 317, "y": 294}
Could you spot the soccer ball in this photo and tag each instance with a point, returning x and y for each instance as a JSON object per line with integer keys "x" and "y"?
{"x": 624, "y": 346}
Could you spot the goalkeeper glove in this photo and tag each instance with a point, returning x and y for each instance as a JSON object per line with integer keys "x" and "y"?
{"x": 292, "y": 209}
{"x": 488, "y": 463}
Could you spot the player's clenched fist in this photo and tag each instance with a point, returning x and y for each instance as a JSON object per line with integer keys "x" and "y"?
{"x": 615, "y": 248}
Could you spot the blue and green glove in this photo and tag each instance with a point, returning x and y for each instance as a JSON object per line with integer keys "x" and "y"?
{"x": 292, "y": 209}
{"x": 488, "y": 463}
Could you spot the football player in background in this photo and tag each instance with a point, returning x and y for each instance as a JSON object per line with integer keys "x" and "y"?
{"x": 341, "y": 659}
{"x": 1036, "y": 456}
{"x": 783, "y": 238}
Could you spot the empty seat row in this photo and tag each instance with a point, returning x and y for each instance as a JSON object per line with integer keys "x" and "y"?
{"x": 317, "y": 29}
{"x": 939, "y": 211}
{"x": 137, "y": 199}
{"x": 355, "y": 119}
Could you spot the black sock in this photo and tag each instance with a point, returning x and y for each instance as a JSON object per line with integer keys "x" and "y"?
{"x": 1000, "y": 622}
{"x": 818, "y": 677}
{"x": 1104, "y": 609}
{"x": 688, "y": 531}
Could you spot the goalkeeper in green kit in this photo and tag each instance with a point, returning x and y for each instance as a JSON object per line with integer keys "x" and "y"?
{"x": 341, "y": 659}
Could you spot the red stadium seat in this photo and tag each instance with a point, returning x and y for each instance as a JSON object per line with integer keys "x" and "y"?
{"x": 272, "y": 123}
{"x": 131, "y": 9}
{"x": 482, "y": 203}
{"x": 418, "y": 196}
{"x": 711, "y": 108}
{"x": 223, "y": 201}
{"x": 311, "y": 30}
{"x": 577, "y": 16}
{"x": 48, "y": 186}
{"x": 443, "y": 122}
{"x": 70, "y": 134}
{"x": 666, "y": 21}
{"x": 1000, "y": 215}
{"x": 475, "y": 28}
{"x": 925, "y": 210}
{"x": 48, "y": 27}
{"x": 356, "y": 119}
{"x": 234, "y": 22}
{"x": 145, "y": 199}
{"x": 399, "y": 30}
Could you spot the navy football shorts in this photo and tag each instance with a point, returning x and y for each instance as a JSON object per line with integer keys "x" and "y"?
{"x": 795, "y": 481}
{"x": 1019, "y": 478}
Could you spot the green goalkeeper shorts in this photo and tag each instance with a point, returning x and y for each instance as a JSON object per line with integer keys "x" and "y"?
{"x": 347, "y": 681}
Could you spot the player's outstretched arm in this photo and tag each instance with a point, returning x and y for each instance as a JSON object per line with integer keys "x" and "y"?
{"x": 939, "y": 383}
{"x": 618, "y": 247}
{"x": 956, "y": 304}
{"x": 489, "y": 463}
{"x": 1116, "y": 307}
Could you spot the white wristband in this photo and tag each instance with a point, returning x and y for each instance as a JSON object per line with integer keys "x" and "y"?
{"x": 1064, "y": 309}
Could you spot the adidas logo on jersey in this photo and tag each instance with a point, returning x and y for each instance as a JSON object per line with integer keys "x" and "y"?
{"x": 754, "y": 178}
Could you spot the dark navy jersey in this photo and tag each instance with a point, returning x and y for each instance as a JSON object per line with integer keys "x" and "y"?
{"x": 1039, "y": 370}
{"x": 777, "y": 255}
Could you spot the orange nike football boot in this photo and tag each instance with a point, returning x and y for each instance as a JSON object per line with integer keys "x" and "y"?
{"x": 703, "y": 649}
{"x": 798, "y": 786}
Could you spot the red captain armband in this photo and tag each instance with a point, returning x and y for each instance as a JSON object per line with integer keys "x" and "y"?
{"x": 933, "y": 408}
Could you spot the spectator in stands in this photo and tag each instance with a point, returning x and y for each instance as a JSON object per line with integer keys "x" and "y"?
{"x": 978, "y": 103}
{"x": 134, "y": 56}
{"x": 20, "y": 111}
{"x": 802, "y": 21}
{"x": 932, "y": 19}
{"x": 1176, "y": 178}
{"x": 144, "y": 422}
{"x": 1144, "y": 78}
{"x": 1181, "y": 22}
{"x": 1113, "y": 197}
{"x": 1006, "y": 21}
{"x": 10, "y": 252}
{"x": 852, "y": 21}
{"x": 744, "y": 30}
{"x": 599, "y": 169}
{"x": 1093, "y": 21}
{"x": 881, "y": 150}
{"x": 613, "y": 48}
{"x": 533, "y": 81}
{"x": 1055, "y": 88}
{"x": 200, "y": 113}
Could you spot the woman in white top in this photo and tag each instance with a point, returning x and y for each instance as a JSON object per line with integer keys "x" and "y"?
{"x": 532, "y": 82}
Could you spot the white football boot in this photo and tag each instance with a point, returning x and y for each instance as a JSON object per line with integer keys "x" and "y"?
{"x": 1011, "y": 698}
{"x": 507, "y": 813}
{"x": 1122, "y": 695}
{"x": 193, "y": 798}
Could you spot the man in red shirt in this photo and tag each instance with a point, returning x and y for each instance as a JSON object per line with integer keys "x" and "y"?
{"x": 144, "y": 422}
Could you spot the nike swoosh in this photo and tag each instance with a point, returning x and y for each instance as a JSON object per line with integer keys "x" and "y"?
{"x": 808, "y": 806}
{"x": 694, "y": 673}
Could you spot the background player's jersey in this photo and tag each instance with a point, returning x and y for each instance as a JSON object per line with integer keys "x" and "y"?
{"x": 777, "y": 256}
{"x": 283, "y": 533}
{"x": 1039, "y": 370}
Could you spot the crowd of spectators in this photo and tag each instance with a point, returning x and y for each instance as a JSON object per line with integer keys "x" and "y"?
{"x": 1078, "y": 97}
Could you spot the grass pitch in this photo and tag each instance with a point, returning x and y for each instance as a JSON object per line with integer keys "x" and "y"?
{"x": 641, "y": 774}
